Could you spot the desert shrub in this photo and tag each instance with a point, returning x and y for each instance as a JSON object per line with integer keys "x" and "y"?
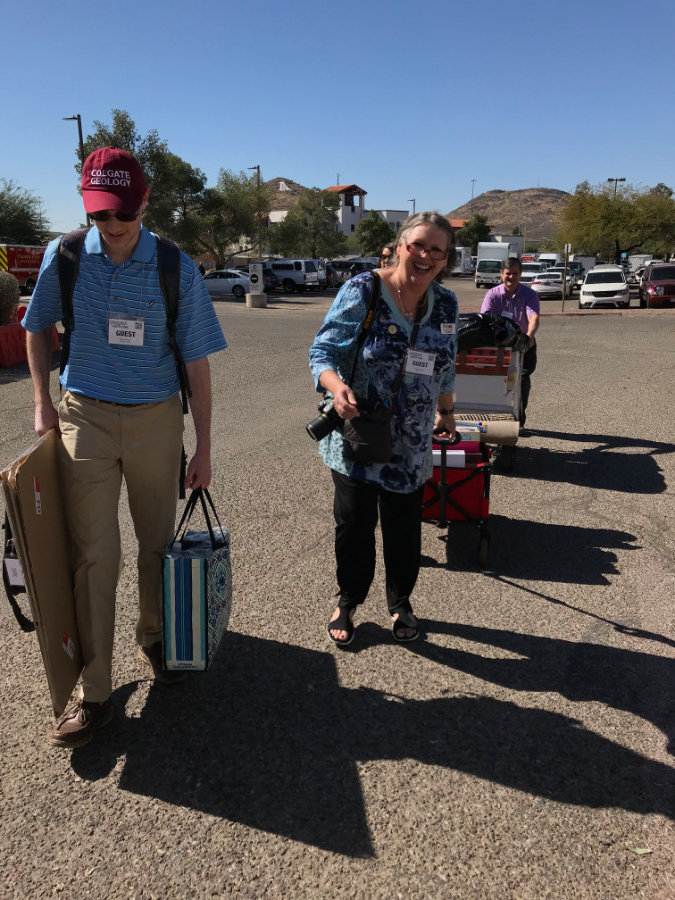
{"x": 9, "y": 297}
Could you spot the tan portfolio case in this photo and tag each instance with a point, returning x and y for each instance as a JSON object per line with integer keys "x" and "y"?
{"x": 33, "y": 499}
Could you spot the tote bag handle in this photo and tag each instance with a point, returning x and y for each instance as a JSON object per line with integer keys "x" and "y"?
{"x": 203, "y": 495}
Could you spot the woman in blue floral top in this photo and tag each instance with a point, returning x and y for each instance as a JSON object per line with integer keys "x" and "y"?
{"x": 422, "y": 403}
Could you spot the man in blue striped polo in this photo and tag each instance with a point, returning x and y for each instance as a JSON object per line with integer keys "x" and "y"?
{"x": 120, "y": 415}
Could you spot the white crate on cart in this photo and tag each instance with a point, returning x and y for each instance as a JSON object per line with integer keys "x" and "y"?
{"x": 487, "y": 385}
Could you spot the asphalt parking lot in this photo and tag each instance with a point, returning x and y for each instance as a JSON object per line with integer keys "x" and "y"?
{"x": 524, "y": 749}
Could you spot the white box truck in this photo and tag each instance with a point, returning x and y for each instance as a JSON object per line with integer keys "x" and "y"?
{"x": 551, "y": 259}
{"x": 491, "y": 255}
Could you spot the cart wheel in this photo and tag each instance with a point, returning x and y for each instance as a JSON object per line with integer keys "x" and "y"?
{"x": 483, "y": 547}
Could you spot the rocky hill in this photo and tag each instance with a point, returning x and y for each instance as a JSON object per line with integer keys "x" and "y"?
{"x": 533, "y": 210}
{"x": 284, "y": 192}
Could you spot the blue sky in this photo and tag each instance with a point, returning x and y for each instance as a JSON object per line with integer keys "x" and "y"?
{"x": 406, "y": 99}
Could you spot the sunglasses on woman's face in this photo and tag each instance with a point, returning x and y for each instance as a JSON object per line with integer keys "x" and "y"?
{"x": 106, "y": 214}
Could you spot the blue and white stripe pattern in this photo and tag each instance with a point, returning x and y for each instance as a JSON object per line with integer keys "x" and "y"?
{"x": 197, "y": 588}
{"x": 185, "y": 614}
{"x": 125, "y": 374}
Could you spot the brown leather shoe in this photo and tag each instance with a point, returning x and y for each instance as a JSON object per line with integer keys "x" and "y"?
{"x": 153, "y": 657}
{"x": 77, "y": 725}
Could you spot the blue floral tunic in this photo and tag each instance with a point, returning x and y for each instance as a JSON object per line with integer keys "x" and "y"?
{"x": 385, "y": 347}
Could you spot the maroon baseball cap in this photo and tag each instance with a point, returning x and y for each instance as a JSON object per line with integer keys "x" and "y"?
{"x": 112, "y": 179}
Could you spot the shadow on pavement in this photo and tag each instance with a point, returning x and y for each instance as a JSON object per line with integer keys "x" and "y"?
{"x": 537, "y": 551}
{"x": 635, "y": 682}
{"x": 268, "y": 737}
{"x": 603, "y": 466}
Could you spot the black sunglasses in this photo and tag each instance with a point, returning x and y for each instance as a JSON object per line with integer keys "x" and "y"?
{"x": 106, "y": 214}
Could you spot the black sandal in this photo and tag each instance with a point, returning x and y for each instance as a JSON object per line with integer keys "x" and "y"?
{"x": 406, "y": 621}
{"x": 342, "y": 623}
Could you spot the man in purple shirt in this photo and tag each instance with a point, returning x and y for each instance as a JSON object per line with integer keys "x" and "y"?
{"x": 518, "y": 302}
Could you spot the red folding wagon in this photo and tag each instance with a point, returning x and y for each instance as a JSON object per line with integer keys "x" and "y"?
{"x": 487, "y": 386}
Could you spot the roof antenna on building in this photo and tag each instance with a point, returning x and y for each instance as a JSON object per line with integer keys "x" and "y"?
{"x": 338, "y": 178}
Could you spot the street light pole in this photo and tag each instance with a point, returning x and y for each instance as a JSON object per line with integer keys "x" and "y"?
{"x": 413, "y": 203}
{"x": 616, "y": 181}
{"x": 257, "y": 205}
{"x": 77, "y": 118}
{"x": 473, "y": 181}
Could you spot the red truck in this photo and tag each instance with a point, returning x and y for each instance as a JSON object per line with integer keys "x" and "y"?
{"x": 23, "y": 262}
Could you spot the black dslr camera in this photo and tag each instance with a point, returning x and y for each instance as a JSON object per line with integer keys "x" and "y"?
{"x": 327, "y": 420}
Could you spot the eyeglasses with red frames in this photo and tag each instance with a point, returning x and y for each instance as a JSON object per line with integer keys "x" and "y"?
{"x": 418, "y": 249}
{"x": 106, "y": 214}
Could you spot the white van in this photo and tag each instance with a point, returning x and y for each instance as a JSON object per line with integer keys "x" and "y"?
{"x": 463, "y": 262}
{"x": 294, "y": 274}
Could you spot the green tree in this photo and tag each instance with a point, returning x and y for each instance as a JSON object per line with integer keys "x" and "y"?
{"x": 176, "y": 201}
{"x": 309, "y": 229}
{"x": 233, "y": 216}
{"x": 472, "y": 233}
{"x": 598, "y": 221}
{"x": 372, "y": 233}
{"x": 177, "y": 198}
{"x": 20, "y": 217}
{"x": 123, "y": 134}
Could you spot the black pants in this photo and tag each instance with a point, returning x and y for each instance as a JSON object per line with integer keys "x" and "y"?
{"x": 356, "y": 509}
{"x": 529, "y": 365}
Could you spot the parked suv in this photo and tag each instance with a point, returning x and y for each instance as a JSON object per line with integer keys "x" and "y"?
{"x": 332, "y": 277}
{"x": 348, "y": 268}
{"x": 657, "y": 287}
{"x": 294, "y": 274}
{"x": 604, "y": 286}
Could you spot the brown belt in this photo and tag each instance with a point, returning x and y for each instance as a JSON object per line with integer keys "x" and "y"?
{"x": 110, "y": 402}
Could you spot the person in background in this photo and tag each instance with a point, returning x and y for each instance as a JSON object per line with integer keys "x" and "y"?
{"x": 120, "y": 416}
{"x": 520, "y": 303}
{"x": 411, "y": 305}
{"x": 387, "y": 256}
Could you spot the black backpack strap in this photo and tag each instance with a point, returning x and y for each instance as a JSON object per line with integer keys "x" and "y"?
{"x": 12, "y": 590}
{"x": 68, "y": 265}
{"x": 168, "y": 267}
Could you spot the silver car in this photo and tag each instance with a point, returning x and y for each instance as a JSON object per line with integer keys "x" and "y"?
{"x": 548, "y": 284}
{"x": 227, "y": 282}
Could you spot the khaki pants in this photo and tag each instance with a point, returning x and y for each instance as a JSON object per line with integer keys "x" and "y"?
{"x": 103, "y": 442}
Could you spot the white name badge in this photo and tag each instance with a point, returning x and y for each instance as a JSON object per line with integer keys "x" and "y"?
{"x": 447, "y": 327}
{"x": 14, "y": 573}
{"x": 508, "y": 314}
{"x": 126, "y": 332}
{"x": 419, "y": 363}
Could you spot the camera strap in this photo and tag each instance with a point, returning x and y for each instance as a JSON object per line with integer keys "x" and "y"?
{"x": 365, "y": 328}
{"x": 373, "y": 301}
